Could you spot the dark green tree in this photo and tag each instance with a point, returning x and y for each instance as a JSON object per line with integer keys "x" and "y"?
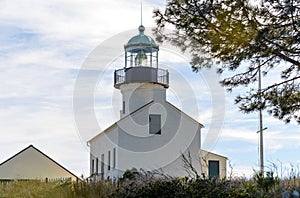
{"x": 242, "y": 36}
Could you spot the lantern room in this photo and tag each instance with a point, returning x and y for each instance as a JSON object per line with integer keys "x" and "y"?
{"x": 141, "y": 62}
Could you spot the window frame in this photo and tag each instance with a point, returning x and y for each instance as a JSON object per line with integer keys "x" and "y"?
{"x": 153, "y": 125}
{"x": 97, "y": 164}
{"x": 102, "y": 164}
{"x": 93, "y": 167}
{"x": 123, "y": 107}
{"x": 108, "y": 160}
{"x": 114, "y": 158}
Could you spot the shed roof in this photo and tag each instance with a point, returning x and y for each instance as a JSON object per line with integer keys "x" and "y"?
{"x": 211, "y": 153}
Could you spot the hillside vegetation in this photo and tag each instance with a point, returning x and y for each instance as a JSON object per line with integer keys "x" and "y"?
{"x": 137, "y": 185}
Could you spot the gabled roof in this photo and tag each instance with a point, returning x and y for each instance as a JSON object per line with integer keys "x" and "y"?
{"x": 201, "y": 125}
{"x": 211, "y": 153}
{"x": 107, "y": 130}
{"x": 40, "y": 152}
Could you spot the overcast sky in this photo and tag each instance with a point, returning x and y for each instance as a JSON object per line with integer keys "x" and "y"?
{"x": 44, "y": 45}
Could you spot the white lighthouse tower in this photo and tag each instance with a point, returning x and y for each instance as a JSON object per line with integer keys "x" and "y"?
{"x": 151, "y": 134}
{"x": 141, "y": 81}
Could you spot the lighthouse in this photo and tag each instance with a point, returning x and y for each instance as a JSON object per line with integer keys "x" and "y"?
{"x": 152, "y": 134}
{"x": 141, "y": 80}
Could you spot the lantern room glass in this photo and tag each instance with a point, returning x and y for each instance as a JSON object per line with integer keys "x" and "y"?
{"x": 141, "y": 59}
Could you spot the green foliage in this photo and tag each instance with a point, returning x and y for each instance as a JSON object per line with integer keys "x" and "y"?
{"x": 94, "y": 189}
{"x": 35, "y": 188}
{"x": 268, "y": 186}
{"x": 266, "y": 183}
{"x": 248, "y": 189}
{"x": 208, "y": 188}
{"x": 130, "y": 174}
{"x": 152, "y": 188}
{"x": 242, "y": 37}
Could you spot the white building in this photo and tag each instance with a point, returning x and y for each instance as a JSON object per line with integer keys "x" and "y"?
{"x": 151, "y": 134}
{"x": 213, "y": 164}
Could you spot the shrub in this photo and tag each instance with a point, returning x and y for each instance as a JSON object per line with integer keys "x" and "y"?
{"x": 146, "y": 185}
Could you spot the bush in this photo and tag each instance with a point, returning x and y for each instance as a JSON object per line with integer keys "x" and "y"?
{"x": 143, "y": 185}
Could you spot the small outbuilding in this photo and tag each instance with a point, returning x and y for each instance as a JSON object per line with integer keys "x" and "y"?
{"x": 30, "y": 164}
{"x": 213, "y": 165}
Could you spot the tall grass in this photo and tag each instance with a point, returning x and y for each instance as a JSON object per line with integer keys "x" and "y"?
{"x": 140, "y": 185}
{"x": 35, "y": 188}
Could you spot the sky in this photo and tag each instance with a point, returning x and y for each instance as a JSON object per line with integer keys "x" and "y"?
{"x": 46, "y": 45}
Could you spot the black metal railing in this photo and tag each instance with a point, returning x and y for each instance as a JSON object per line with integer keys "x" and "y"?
{"x": 162, "y": 77}
{"x": 119, "y": 76}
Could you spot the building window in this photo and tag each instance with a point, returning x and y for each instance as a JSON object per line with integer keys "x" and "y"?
{"x": 108, "y": 160}
{"x": 213, "y": 168}
{"x": 123, "y": 109}
{"x": 154, "y": 124}
{"x": 97, "y": 161}
{"x": 93, "y": 166}
{"x": 102, "y": 163}
{"x": 114, "y": 158}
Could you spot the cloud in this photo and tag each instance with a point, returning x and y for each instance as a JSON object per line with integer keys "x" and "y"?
{"x": 76, "y": 20}
{"x": 49, "y": 129}
{"x": 241, "y": 171}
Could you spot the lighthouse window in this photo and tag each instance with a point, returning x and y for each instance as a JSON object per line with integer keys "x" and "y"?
{"x": 92, "y": 166}
{"x": 102, "y": 163}
{"x": 154, "y": 124}
{"x": 97, "y": 161}
{"x": 108, "y": 160}
{"x": 114, "y": 158}
{"x": 123, "y": 109}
